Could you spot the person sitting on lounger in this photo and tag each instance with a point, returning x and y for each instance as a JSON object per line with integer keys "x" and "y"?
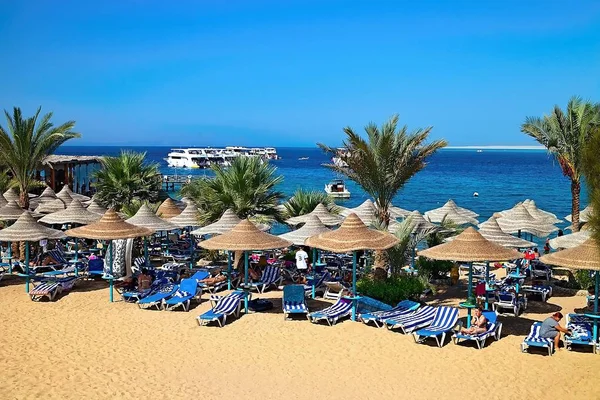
{"x": 478, "y": 323}
{"x": 213, "y": 280}
{"x": 551, "y": 328}
{"x": 144, "y": 280}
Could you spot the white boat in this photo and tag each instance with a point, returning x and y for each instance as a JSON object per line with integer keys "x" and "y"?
{"x": 338, "y": 159}
{"x": 302, "y": 158}
{"x": 187, "y": 158}
{"x": 337, "y": 189}
{"x": 204, "y": 157}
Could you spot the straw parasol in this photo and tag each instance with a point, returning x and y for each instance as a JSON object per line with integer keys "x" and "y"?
{"x": 48, "y": 193}
{"x": 188, "y": 217}
{"x": 519, "y": 219}
{"x": 11, "y": 211}
{"x": 418, "y": 222}
{"x": 585, "y": 256}
{"x": 459, "y": 219}
{"x": 66, "y": 191}
{"x": 3, "y": 201}
{"x": 470, "y": 246}
{"x": 52, "y": 206}
{"x": 109, "y": 227}
{"x": 96, "y": 208}
{"x": 245, "y": 236}
{"x": 438, "y": 214}
{"x": 226, "y": 223}
{"x": 352, "y": 235}
{"x": 571, "y": 240}
{"x": 492, "y": 232}
{"x": 27, "y": 229}
{"x": 366, "y": 212}
{"x": 147, "y": 219}
{"x": 540, "y": 214}
{"x": 11, "y": 194}
{"x": 312, "y": 227}
{"x": 168, "y": 209}
{"x": 397, "y": 212}
{"x": 584, "y": 215}
{"x": 321, "y": 212}
{"x": 75, "y": 213}
{"x": 64, "y": 195}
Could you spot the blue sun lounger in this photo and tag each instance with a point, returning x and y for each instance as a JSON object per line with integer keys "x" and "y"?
{"x": 223, "y": 307}
{"x": 155, "y": 299}
{"x": 187, "y": 291}
{"x": 405, "y": 307}
{"x": 493, "y": 329}
{"x": 294, "y": 301}
{"x": 582, "y": 332}
{"x": 50, "y": 288}
{"x": 407, "y": 323}
{"x": 543, "y": 291}
{"x": 270, "y": 276}
{"x": 342, "y": 308}
{"x": 131, "y": 296}
{"x": 319, "y": 283}
{"x": 535, "y": 340}
{"x": 445, "y": 319}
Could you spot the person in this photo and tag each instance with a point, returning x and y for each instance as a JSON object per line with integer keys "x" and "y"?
{"x": 211, "y": 281}
{"x": 301, "y": 260}
{"x": 536, "y": 253}
{"x": 551, "y": 328}
{"x": 547, "y": 246}
{"x": 478, "y": 323}
{"x": 144, "y": 280}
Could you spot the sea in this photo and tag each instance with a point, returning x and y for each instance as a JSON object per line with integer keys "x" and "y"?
{"x": 501, "y": 178}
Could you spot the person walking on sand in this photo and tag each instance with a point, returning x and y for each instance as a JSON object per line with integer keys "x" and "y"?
{"x": 551, "y": 328}
{"x": 301, "y": 260}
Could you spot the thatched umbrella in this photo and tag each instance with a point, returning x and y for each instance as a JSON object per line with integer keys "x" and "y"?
{"x": 11, "y": 211}
{"x": 454, "y": 216}
{"x": 470, "y": 246}
{"x": 52, "y": 206}
{"x": 64, "y": 196}
{"x": 321, "y": 212}
{"x": 492, "y": 232}
{"x": 227, "y": 222}
{"x": 168, "y": 209}
{"x": 27, "y": 229}
{"x": 11, "y": 194}
{"x": 312, "y": 227}
{"x": 352, "y": 235}
{"x": 571, "y": 240}
{"x": 584, "y": 215}
{"x": 366, "y": 212}
{"x": 3, "y": 201}
{"x": 145, "y": 218}
{"x": 520, "y": 220}
{"x": 585, "y": 256}
{"x": 109, "y": 227}
{"x": 66, "y": 191}
{"x": 438, "y": 214}
{"x": 188, "y": 219}
{"x": 540, "y": 214}
{"x": 397, "y": 212}
{"x": 96, "y": 208}
{"x": 245, "y": 237}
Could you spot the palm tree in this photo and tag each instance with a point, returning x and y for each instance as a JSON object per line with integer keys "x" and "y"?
{"x": 591, "y": 170}
{"x": 27, "y": 142}
{"x": 6, "y": 180}
{"x": 247, "y": 187}
{"x": 565, "y": 135}
{"x": 304, "y": 201}
{"x": 126, "y": 178}
{"x": 385, "y": 161}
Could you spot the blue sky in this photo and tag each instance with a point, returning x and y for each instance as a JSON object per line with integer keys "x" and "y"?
{"x": 296, "y": 72}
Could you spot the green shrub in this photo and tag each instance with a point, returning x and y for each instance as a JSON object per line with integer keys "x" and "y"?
{"x": 584, "y": 279}
{"x": 433, "y": 269}
{"x": 391, "y": 290}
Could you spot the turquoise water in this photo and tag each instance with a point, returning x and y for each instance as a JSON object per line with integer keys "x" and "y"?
{"x": 501, "y": 177}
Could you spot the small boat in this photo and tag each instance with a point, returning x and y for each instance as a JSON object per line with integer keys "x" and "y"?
{"x": 480, "y": 151}
{"x": 337, "y": 189}
{"x": 303, "y": 158}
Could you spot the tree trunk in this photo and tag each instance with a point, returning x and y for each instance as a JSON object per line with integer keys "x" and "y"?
{"x": 23, "y": 198}
{"x": 14, "y": 248}
{"x": 380, "y": 257}
{"x": 575, "y": 191}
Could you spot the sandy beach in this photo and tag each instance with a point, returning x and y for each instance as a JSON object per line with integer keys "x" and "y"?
{"x": 81, "y": 346}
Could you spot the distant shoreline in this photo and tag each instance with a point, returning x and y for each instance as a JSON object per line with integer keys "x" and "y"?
{"x": 499, "y": 147}
{"x": 496, "y": 147}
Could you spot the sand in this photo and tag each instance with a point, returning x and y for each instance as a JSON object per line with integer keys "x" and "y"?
{"x": 81, "y": 346}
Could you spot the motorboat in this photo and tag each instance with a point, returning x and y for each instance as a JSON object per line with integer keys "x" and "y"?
{"x": 337, "y": 189}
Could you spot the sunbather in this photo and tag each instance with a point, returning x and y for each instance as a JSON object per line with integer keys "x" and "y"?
{"x": 551, "y": 329}
{"x": 478, "y": 323}
{"x": 144, "y": 280}
{"x": 211, "y": 281}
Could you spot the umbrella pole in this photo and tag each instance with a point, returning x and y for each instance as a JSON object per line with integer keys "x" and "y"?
{"x": 354, "y": 285}
{"x": 246, "y": 282}
{"x": 110, "y": 266}
{"x": 469, "y": 294}
{"x": 487, "y": 280}
{"x": 76, "y": 257}
{"x": 314, "y": 271}
{"x": 191, "y": 248}
{"x": 228, "y": 270}
{"x": 27, "y": 266}
{"x": 596, "y": 293}
{"x": 147, "y": 259}
{"x": 9, "y": 257}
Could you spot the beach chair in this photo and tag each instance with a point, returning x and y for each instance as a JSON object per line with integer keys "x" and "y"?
{"x": 270, "y": 276}
{"x": 535, "y": 340}
{"x": 156, "y": 298}
{"x": 422, "y": 317}
{"x": 581, "y": 332}
{"x": 96, "y": 267}
{"x": 222, "y": 307}
{"x": 44, "y": 289}
{"x": 200, "y": 275}
{"x": 294, "y": 301}
{"x": 319, "y": 284}
{"x": 138, "y": 264}
{"x": 510, "y": 300}
{"x": 187, "y": 291}
{"x": 404, "y": 308}
{"x": 333, "y": 290}
{"x": 540, "y": 270}
{"x": 65, "y": 271}
{"x": 493, "y": 329}
{"x": 444, "y": 320}
{"x": 131, "y": 296}
{"x": 543, "y": 291}
{"x": 342, "y": 308}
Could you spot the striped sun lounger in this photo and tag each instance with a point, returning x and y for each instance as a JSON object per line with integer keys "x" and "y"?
{"x": 445, "y": 319}
{"x": 293, "y": 301}
{"x": 223, "y": 306}
{"x": 270, "y": 276}
{"x": 535, "y": 340}
{"x": 542, "y": 290}
{"x": 45, "y": 289}
{"x": 342, "y": 308}
{"x": 155, "y": 299}
{"x": 493, "y": 329}
{"x": 405, "y": 307}
{"x": 581, "y": 332}
{"x": 408, "y": 323}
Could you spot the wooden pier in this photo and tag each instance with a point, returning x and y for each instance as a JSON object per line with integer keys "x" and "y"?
{"x": 172, "y": 183}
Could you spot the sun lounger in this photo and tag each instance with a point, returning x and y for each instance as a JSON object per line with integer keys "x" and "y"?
{"x": 333, "y": 290}
{"x": 342, "y": 308}
{"x": 294, "y": 301}
{"x": 199, "y": 275}
{"x": 67, "y": 270}
{"x": 270, "y": 276}
{"x": 407, "y": 323}
{"x": 535, "y": 340}
{"x": 540, "y": 270}
{"x": 51, "y": 288}
{"x": 493, "y": 329}
{"x": 581, "y": 328}
{"x": 222, "y": 307}
{"x": 319, "y": 283}
{"x": 187, "y": 291}
{"x": 156, "y": 298}
{"x": 135, "y": 295}
{"x": 404, "y": 308}
{"x": 444, "y": 320}
{"x": 541, "y": 290}
{"x": 510, "y": 300}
